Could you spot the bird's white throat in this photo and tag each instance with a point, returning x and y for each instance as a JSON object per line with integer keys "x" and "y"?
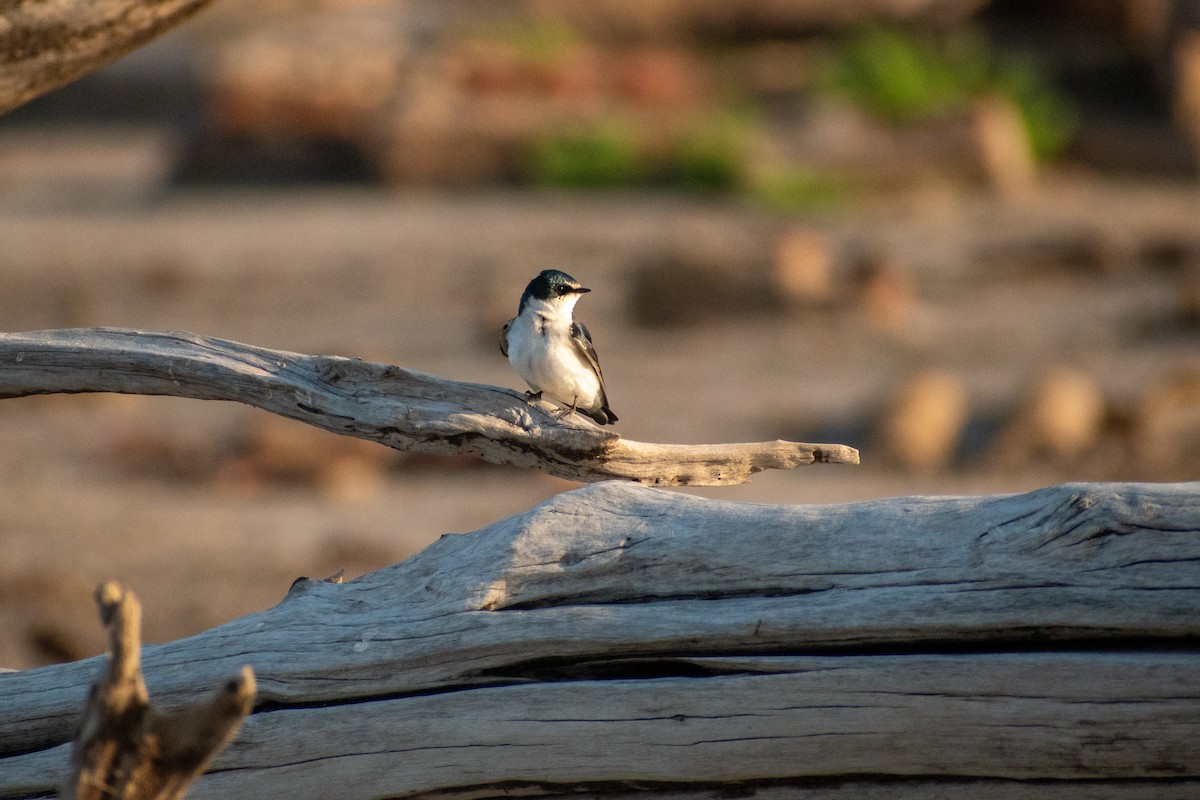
{"x": 556, "y": 313}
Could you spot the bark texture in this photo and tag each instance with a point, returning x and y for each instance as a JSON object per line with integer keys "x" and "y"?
{"x": 47, "y": 43}
{"x": 621, "y": 638}
{"x": 128, "y": 750}
{"x": 400, "y": 408}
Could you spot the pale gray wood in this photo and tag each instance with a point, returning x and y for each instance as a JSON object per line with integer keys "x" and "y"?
{"x": 919, "y": 789}
{"x": 1012, "y": 716}
{"x": 400, "y": 408}
{"x": 46, "y": 43}
{"x": 561, "y": 645}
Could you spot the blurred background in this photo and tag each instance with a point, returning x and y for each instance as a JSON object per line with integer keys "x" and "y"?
{"x": 962, "y": 236}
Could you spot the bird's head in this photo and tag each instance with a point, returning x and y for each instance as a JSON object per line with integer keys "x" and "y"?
{"x": 553, "y": 287}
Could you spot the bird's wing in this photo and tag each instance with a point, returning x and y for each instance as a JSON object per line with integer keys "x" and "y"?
{"x": 583, "y": 342}
{"x": 504, "y": 337}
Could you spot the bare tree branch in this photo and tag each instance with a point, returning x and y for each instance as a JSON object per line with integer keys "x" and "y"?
{"x": 46, "y": 43}
{"x": 401, "y": 408}
{"x": 128, "y": 750}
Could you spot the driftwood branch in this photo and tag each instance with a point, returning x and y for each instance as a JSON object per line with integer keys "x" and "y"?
{"x": 619, "y": 638}
{"x": 47, "y": 43}
{"x": 400, "y": 408}
{"x": 126, "y": 749}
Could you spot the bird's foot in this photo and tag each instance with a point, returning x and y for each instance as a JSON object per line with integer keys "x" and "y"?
{"x": 561, "y": 415}
{"x": 533, "y": 396}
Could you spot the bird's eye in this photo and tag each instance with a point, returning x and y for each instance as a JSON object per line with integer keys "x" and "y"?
{"x": 563, "y": 289}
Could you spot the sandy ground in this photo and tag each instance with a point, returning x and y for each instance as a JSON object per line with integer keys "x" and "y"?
{"x": 157, "y": 492}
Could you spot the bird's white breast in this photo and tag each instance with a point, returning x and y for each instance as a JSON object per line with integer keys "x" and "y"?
{"x": 542, "y": 352}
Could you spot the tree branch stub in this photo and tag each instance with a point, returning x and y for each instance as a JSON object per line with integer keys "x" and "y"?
{"x": 125, "y": 748}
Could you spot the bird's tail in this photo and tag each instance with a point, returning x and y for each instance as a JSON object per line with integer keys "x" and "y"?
{"x": 603, "y": 416}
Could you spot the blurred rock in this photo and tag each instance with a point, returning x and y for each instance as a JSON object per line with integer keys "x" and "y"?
{"x": 1005, "y": 155}
{"x": 1060, "y": 420}
{"x": 803, "y": 267}
{"x": 1167, "y": 427}
{"x": 1186, "y": 84}
{"x": 921, "y": 427}
{"x": 1066, "y": 412}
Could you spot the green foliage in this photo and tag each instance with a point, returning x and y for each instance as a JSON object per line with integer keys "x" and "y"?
{"x": 1050, "y": 120}
{"x": 904, "y": 77}
{"x": 707, "y": 157}
{"x": 895, "y": 75}
{"x": 711, "y": 156}
{"x": 587, "y": 158}
{"x": 540, "y": 42}
{"x": 800, "y": 189}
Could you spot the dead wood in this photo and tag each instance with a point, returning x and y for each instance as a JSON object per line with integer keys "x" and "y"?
{"x": 397, "y": 407}
{"x": 47, "y": 43}
{"x": 619, "y": 637}
{"x": 128, "y": 750}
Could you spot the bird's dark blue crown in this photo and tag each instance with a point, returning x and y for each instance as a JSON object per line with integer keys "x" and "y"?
{"x": 550, "y": 283}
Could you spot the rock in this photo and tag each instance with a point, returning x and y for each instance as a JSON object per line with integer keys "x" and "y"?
{"x": 1005, "y": 156}
{"x": 1060, "y": 419}
{"x": 1065, "y": 413}
{"x": 923, "y": 423}
{"x": 803, "y": 267}
{"x": 1186, "y": 85}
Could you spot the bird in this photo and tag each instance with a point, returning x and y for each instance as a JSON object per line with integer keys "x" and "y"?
{"x": 552, "y": 351}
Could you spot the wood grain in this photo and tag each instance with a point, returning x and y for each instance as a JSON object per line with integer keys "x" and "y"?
{"x": 125, "y": 747}
{"x": 400, "y": 408}
{"x": 47, "y": 43}
{"x": 619, "y": 637}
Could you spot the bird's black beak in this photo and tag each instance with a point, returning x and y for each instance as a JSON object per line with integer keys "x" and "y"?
{"x": 581, "y": 290}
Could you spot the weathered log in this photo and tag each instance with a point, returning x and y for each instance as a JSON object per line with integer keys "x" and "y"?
{"x": 619, "y": 638}
{"x": 46, "y": 43}
{"x": 400, "y": 408}
{"x": 128, "y": 750}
